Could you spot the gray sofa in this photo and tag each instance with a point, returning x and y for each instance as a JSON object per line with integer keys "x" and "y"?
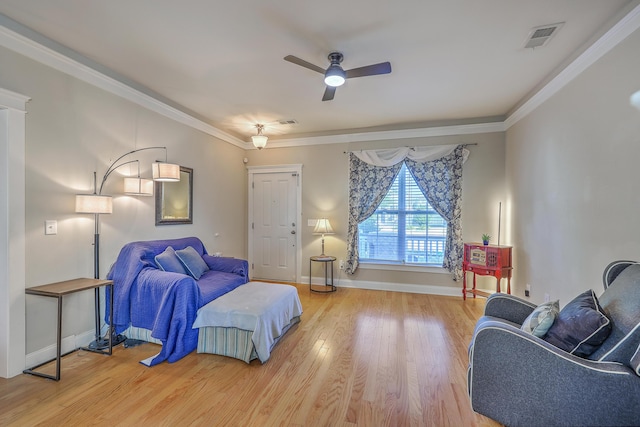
{"x": 519, "y": 379}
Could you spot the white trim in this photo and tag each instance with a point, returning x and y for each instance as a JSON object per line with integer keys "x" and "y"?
{"x": 402, "y": 267}
{"x": 621, "y": 342}
{"x": 390, "y": 135}
{"x": 504, "y": 327}
{"x": 12, "y": 233}
{"x": 14, "y": 101}
{"x": 637, "y": 367}
{"x": 620, "y": 31}
{"x": 413, "y": 288}
{"x": 34, "y": 50}
{"x": 293, "y": 168}
{"x": 275, "y": 168}
{"x": 69, "y": 344}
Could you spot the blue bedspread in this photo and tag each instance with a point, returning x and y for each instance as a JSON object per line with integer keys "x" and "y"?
{"x": 167, "y": 303}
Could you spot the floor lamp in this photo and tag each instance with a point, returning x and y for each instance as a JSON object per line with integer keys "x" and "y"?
{"x": 98, "y": 204}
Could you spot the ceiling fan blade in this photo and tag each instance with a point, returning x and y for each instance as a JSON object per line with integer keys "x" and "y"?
{"x": 303, "y": 63}
{"x": 329, "y": 93}
{"x": 369, "y": 70}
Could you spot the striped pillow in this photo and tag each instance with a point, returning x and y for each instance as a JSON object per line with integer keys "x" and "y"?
{"x": 541, "y": 319}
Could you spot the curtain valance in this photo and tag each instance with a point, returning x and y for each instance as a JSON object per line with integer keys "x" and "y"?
{"x": 392, "y": 156}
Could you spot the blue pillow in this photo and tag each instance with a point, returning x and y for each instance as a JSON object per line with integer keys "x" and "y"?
{"x": 192, "y": 261}
{"x": 168, "y": 261}
{"x": 635, "y": 361}
{"x": 541, "y": 319}
{"x": 581, "y": 326}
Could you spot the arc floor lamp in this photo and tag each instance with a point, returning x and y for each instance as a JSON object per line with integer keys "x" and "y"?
{"x": 97, "y": 204}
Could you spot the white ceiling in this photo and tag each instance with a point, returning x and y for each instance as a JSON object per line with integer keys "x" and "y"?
{"x": 222, "y": 61}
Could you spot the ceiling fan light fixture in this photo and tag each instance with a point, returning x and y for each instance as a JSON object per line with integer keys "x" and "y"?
{"x": 335, "y": 76}
{"x": 259, "y": 140}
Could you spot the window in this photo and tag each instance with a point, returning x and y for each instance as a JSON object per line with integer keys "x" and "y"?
{"x": 404, "y": 228}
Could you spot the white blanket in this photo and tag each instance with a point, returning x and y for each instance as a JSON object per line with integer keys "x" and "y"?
{"x": 264, "y": 308}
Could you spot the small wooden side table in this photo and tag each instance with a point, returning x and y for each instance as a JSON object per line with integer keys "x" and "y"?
{"x": 328, "y": 263}
{"x": 486, "y": 260}
{"x": 58, "y": 290}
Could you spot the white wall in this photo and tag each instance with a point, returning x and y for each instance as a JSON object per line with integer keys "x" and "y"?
{"x": 573, "y": 182}
{"x": 73, "y": 129}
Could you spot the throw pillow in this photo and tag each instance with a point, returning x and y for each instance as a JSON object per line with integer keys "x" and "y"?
{"x": 192, "y": 261}
{"x": 581, "y": 326}
{"x": 635, "y": 361}
{"x": 168, "y": 261}
{"x": 541, "y": 319}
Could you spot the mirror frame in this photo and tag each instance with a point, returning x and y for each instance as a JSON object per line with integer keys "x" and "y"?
{"x": 185, "y": 173}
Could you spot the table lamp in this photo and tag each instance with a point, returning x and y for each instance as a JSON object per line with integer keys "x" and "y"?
{"x": 323, "y": 227}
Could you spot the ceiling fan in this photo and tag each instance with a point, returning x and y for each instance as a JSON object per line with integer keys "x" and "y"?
{"x": 335, "y": 75}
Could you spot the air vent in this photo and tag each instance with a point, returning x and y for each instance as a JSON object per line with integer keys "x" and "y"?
{"x": 290, "y": 122}
{"x": 540, "y": 36}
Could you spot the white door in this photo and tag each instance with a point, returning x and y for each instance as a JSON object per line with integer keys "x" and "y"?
{"x": 274, "y": 226}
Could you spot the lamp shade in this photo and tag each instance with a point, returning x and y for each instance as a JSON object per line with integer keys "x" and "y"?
{"x": 93, "y": 203}
{"x": 138, "y": 187}
{"x": 165, "y": 172}
{"x": 259, "y": 141}
{"x": 323, "y": 227}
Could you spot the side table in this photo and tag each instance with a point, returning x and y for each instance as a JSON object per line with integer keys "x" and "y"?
{"x": 486, "y": 260}
{"x": 58, "y": 290}
{"x": 328, "y": 263}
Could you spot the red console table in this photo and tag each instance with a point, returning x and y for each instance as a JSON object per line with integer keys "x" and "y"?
{"x": 489, "y": 260}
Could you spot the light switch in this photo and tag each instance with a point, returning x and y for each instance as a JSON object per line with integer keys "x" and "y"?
{"x": 51, "y": 226}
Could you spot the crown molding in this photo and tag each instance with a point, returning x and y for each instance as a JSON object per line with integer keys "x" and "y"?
{"x": 13, "y": 100}
{"x": 45, "y": 55}
{"x": 389, "y": 135}
{"x": 616, "y": 34}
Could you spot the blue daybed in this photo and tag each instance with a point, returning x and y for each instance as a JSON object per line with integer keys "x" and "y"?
{"x": 163, "y": 304}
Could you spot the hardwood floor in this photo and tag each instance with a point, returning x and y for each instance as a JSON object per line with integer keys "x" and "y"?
{"x": 357, "y": 358}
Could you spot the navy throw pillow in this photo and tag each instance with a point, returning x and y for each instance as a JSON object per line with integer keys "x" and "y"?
{"x": 581, "y": 326}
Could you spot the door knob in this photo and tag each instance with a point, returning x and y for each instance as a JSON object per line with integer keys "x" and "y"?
{"x": 293, "y": 231}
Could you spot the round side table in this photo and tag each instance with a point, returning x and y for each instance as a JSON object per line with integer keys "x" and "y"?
{"x": 328, "y": 264}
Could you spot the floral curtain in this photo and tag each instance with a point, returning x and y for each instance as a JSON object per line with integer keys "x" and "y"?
{"x": 437, "y": 171}
{"x": 368, "y": 184}
{"x": 441, "y": 183}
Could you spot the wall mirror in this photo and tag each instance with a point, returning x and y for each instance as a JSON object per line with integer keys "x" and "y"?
{"x": 174, "y": 200}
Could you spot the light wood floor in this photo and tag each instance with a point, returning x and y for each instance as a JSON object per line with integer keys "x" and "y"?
{"x": 358, "y": 358}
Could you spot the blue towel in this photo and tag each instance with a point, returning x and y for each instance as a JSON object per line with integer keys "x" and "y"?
{"x": 166, "y": 303}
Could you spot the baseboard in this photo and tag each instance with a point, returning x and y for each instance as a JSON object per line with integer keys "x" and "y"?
{"x": 413, "y": 288}
{"x": 69, "y": 343}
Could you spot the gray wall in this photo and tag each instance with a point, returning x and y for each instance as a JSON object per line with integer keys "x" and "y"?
{"x": 73, "y": 129}
{"x": 573, "y": 182}
{"x": 325, "y": 194}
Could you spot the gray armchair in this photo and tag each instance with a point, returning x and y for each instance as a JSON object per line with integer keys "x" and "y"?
{"x": 521, "y": 380}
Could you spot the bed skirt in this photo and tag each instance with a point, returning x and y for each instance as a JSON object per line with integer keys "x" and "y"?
{"x": 233, "y": 342}
{"x": 230, "y": 342}
{"x": 142, "y": 334}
